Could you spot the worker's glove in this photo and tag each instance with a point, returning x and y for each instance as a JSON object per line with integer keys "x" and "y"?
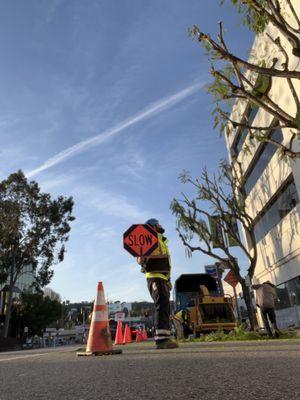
{"x": 141, "y": 260}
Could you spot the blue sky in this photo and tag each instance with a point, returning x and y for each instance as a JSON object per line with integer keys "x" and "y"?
{"x": 106, "y": 101}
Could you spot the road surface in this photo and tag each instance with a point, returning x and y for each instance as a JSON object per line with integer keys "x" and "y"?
{"x": 240, "y": 370}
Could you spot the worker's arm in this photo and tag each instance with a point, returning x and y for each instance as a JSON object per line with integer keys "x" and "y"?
{"x": 274, "y": 292}
{"x": 142, "y": 262}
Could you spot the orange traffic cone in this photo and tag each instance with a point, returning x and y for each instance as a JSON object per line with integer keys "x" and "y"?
{"x": 127, "y": 335}
{"x": 139, "y": 336}
{"x": 99, "y": 341}
{"x": 119, "y": 334}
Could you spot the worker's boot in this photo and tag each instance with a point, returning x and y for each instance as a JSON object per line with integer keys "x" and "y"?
{"x": 166, "y": 344}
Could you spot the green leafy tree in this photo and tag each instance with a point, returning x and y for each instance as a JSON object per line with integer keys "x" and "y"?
{"x": 217, "y": 196}
{"x": 37, "y": 312}
{"x": 250, "y": 81}
{"x": 140, "y": 308}
{"x": 33, "y": 231}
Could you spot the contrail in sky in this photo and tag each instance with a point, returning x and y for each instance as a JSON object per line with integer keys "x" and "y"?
{"x": 151, "y": 111}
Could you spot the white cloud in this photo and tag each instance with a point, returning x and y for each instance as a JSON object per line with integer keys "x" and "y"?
{"x": 132, "y": 166}
{"x": 152, "y": 110}
{"x": 112, "y": 204}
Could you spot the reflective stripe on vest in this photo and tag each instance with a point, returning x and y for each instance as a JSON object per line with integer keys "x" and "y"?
{"x": 166, "y": 277}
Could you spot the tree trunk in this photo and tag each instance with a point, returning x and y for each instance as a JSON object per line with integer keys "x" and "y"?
{"x": 9, "y": 304}
{"x": 248, "y": 301}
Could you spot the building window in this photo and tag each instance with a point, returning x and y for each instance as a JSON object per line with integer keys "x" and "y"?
{"x": 293, "y": 287}
{"x": 289, "y": 293}
{"x": 263, "y": 158}
{"x": 276, "y": 210}
{"x": 241, "y": 136}
{"x": 283, "y": 297}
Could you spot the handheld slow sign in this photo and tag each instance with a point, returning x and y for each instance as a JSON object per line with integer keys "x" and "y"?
{"x": 140, "y": 240}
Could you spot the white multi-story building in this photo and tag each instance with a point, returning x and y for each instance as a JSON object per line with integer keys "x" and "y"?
{"x": 272, "y": 185}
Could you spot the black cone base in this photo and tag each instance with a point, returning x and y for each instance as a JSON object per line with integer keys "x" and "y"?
{"x": 98, "y": 353}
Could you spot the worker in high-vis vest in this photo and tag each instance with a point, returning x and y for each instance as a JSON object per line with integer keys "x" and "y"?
{"x": 157, "y": 268}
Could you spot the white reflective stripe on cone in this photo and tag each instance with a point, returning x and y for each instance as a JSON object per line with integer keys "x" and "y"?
{"x": 100, "y": 316}
{"x": 162, "y": 332}
{"x": 158, "y": 338}
{"x": 100, "y": 299}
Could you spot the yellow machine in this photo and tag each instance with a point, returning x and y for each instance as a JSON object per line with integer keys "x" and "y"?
{"x": 200, "y": 308}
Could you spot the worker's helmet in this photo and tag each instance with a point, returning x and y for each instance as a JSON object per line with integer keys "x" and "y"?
{"x": 268, "y": 283}
{"x": 152, "y": 222}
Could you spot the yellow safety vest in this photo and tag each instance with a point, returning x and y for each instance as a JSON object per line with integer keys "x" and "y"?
{"x": 162, "y": 249}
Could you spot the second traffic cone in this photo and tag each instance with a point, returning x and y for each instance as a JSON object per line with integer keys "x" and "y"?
{"x": 99, "y": 341}
{"x": 127, "y": 335}
{"x": 119, "y": 334}
{"x": 139, "y": 336}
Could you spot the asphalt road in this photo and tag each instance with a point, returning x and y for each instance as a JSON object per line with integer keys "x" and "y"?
{"x": 252, "y": 370}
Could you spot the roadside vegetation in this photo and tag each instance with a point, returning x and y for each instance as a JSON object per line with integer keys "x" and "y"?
{"x": 238, "y": 334}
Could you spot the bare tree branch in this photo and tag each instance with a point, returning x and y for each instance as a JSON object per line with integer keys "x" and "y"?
{"x": 226, "y": 55}
{"x": 295, "y": 15}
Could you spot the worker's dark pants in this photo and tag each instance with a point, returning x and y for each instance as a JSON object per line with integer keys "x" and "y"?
{"x": 160, "y": 292}
{"x": 269, "y": 314}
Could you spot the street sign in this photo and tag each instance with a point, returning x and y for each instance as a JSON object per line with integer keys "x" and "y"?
{"x": 140, "y": 240}
{"x": 216, "y": 272}
{"x": 119, "y": 316}
{"x": 231, "y": 279}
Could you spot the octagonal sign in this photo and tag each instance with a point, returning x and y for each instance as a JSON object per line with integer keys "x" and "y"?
{"x": 140, "y": 240}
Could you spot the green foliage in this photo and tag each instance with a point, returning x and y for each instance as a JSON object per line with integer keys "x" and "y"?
{"x": 240, "y": 333}
{"x": 33, "y": 228}
{"x": 213, "y": 196}
{"x": 262, "y": 85}
{"x": 209, "y": 221}
{"x": 33, "y": 231}
{"x": 218, "y": 90}
{"x": 250, "y": 17}
{"x": 216, "y": 336}
{"x": 139, "y": 308}
{"x": 37, "y": 312}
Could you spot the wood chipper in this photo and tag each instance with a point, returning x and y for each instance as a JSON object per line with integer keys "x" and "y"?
{"x": 199, "y": 307}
